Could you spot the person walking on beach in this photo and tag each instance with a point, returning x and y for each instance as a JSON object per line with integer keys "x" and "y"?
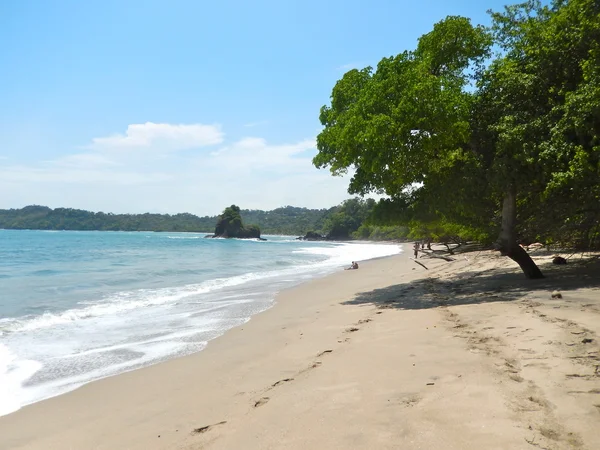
{"x": 416, "y": 249}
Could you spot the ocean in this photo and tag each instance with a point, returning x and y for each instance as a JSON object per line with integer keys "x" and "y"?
{"x": 80, "y": 306}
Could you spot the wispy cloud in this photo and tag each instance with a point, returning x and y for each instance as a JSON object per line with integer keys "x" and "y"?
{"x": 251, "y": 172}
{"x": 255, "y": 153}
{"x": 161, "y": 137}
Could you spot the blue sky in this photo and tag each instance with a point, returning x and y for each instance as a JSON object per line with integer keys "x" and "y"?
{"x": 183, "y": 105}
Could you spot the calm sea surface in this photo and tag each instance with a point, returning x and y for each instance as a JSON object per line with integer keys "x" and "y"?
{"x": 79, "y": 306}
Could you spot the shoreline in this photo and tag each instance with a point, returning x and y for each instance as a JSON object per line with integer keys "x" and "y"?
{"x": 273, "y": 303}
{"x": 390, "y": 354}
{"x": 44, "y": 393}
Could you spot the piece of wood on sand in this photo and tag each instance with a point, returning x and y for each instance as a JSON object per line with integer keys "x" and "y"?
{"x": 433, "y": 255}
{"x": 421, "y": 264}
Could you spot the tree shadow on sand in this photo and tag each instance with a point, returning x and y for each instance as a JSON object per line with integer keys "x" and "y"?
{"x": 494, "y": 285}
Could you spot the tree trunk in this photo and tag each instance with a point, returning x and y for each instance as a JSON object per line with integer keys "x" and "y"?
{"x": 507, "y": 241}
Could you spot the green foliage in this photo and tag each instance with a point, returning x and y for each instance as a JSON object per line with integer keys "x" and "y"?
{"x": 446, "y": 232}
{"x": 447, "y": 137}
{"x": 406, "y": 129}
{"x": 542, "y": 96}
{"x": 288, "y": 220}
{"x": 382, "y": 233}
{"x": 44, "y": 218}
{"x": 230, "y": 225}
{"x": 409, "y": 119}
{"x": 347, "y": 218}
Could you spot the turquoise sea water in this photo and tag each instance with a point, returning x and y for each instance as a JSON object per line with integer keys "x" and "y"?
{"x": 79, "y": 306}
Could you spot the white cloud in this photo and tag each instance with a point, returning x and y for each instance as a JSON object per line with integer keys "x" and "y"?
{"x": 254, "y": 153}
{"x": 250, "y": 172}
{"x": 162, "y": 137}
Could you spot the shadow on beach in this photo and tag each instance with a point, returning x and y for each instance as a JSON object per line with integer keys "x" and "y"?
{"x": 474, "y": 287}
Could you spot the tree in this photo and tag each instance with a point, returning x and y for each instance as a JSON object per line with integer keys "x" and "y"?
{"x": 347, "y": 218}
{"x": 409, "y": 123}
{"x": 552, "y": 67}
{"x": 514, "y": 145}
{"x": 538, "y": 104}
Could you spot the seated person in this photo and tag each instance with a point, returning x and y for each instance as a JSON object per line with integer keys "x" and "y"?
{"x": 353, "y": 266}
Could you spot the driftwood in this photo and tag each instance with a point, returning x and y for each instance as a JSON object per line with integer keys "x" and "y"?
{"x": 445, "y": 258}
{"x": 436, "y": 254}
{"x": 421, "y": 264}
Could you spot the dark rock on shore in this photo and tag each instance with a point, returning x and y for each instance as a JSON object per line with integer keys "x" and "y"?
{"x": 559, "y": 260}
{"x": 312, "y": 236}
{"x": 229, "y": 225}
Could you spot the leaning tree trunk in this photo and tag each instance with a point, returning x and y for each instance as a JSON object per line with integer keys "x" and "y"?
{"x": 507, "y": 241}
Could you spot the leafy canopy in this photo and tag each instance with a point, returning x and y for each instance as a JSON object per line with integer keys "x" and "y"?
{"x": 408, "y": 119}
{"x": 448, "y": 130}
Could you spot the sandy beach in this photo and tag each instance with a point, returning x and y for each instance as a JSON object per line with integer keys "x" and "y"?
{"x": 467, "y": 354}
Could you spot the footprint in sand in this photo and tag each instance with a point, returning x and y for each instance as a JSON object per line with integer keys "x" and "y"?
{"x": 285, "y": 380}
{"x": 406, "y": 400}
{"x": 261, "y": 401}
{"x": 206, "y": 428}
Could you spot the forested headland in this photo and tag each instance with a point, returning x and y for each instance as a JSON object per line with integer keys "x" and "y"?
{"x": 345, "y": 221}
{"x": 486, "y": 132}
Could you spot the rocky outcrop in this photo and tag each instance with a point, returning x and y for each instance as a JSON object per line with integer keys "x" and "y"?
{"x": 312, "y": 236}
{"x": 230, "y": 225}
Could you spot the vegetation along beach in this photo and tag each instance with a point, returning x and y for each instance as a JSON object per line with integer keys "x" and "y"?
{"x": 185, "y": 286}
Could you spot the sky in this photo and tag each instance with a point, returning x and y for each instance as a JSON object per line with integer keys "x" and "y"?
{"x": 185, "y": 105}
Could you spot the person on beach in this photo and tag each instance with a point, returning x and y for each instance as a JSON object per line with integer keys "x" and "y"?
{"x": 416, "y": 249}
{"x": 353, "y": 266}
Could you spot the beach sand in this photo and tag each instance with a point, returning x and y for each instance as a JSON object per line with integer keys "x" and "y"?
{"x": 465, "y": 355}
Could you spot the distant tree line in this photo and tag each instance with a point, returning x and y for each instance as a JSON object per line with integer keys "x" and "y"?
{"x": 345, "y": 221}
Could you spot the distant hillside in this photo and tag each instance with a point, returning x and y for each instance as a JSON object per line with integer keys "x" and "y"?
{"x": 348, "y": 220}
{"x": 287, "y": 220}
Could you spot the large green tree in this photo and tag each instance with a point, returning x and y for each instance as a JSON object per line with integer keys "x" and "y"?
{"x": 406, "y": 128}
{"x": 483, "y": 145}
{"x": 544, "y": 94}
{"x": 538, "y": 120}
